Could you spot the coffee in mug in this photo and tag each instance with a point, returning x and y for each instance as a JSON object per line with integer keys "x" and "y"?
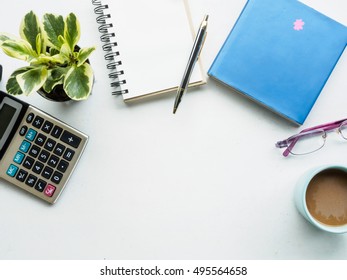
{"x": 326, "y": 197}
{"x": 321, "y": 196}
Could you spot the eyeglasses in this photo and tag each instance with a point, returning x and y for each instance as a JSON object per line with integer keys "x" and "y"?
{"x": 311, "y": 139}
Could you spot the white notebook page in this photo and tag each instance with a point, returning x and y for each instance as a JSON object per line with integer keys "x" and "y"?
{"x": 154, "y": 39}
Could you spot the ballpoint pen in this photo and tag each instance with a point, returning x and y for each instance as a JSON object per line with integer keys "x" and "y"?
{"x": 194, "y": 55}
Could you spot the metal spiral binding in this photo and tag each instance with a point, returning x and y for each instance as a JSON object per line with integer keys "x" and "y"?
{"x": 111, "y": 56}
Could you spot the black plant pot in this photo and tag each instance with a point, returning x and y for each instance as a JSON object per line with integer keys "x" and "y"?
{"x": 57, "y": 94}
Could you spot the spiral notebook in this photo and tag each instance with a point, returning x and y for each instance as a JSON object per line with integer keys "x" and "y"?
{"x": 146, "y": 41}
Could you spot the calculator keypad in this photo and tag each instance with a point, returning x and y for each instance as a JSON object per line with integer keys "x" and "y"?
{"x": 44, "y": 154}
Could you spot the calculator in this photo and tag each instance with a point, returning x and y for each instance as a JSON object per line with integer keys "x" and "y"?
{"x": 38, "y": 152}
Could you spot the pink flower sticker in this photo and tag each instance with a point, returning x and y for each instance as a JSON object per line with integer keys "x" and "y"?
{"x": 298, "y": 25}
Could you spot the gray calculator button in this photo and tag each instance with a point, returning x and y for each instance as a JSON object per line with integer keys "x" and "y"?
{"x": 59, "y": 149}
{"x": 23, "y": 130}
{"x": 38, "y": 166}
{"x": 56, "y": 132}
{"x": 35, "y": 150}
{"x": 70, "y": 139}
{"x": 50, "y": 144}
{"x": 22, "y": 174}
{"x": 44, "y": 155}
{"x": 28, "y": 162}
{"x": 31, "y": 180}
{"x": 63, "y": 165}
{"x": 53, "y": 161}
{"x": 38, "y": 121}
{"x": 30, "y": 117}
{"x": 68, "y": 155}
{"x": 47, "y": 172}
{"x": 40, "y": 186}
{"x": 40, "y": 139}
{"x": 57, "y": 176}
{"x": 47, "y": 127}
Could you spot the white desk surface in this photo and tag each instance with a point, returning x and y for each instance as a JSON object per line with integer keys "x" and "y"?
{"x": 206, "y": 183}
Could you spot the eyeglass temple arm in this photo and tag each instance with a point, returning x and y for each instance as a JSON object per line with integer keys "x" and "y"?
{"x": 326, "y": 126}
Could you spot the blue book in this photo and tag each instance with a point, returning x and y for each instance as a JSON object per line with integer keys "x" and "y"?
{"x": 280, "y": 53}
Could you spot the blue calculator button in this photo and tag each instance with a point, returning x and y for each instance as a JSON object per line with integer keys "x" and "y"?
{"x": 24, "y": 147}
{"x": 18, "y": 158}
{"x": 31, "y": 134}
{"x": 12, "y": 170}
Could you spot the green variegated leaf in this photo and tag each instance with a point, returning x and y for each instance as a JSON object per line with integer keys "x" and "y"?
{"x": 32, "y": 80}
{"x": 53, "y": 51}
{"x": 62, "y": 39}
{"x": 18, "y": 49}
{"x": 57, "y": 59}
{"x": 79, "y": 82}
{"x": 49, "y": 48}
{"x": 12, "y": 85}
{"x": 83, "y": 55}
{"x": 54, "y": 27}
{"x": 39, "y": 43}
{"x": 58, "y": 72}
{"x": 4, "y": 37}
{"x": 72, "y": 31}
{"x": 65, "y": 50}
{"x": 30, "y": 28}
{"x": 55, "y": 77}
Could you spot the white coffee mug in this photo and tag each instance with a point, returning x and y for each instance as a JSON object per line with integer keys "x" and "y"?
{"x": 321, "y": 197}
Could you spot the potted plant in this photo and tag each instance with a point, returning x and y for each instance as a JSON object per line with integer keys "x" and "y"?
{"x": 58, "y": 67}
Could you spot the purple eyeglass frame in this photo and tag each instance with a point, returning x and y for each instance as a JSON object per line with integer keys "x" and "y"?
{"x": 290, "y": 142}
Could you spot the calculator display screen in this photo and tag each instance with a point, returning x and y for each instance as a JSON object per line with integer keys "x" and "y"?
{"x": 6, "y": 114}
{"x": 9, "y": 113}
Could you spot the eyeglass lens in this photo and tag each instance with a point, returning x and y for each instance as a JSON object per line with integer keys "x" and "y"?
{"x": 343, "y": 130}
{"x": 310, "y": 142}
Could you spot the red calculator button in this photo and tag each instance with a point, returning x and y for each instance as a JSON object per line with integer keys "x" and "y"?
{"x": 49, "y": 190}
